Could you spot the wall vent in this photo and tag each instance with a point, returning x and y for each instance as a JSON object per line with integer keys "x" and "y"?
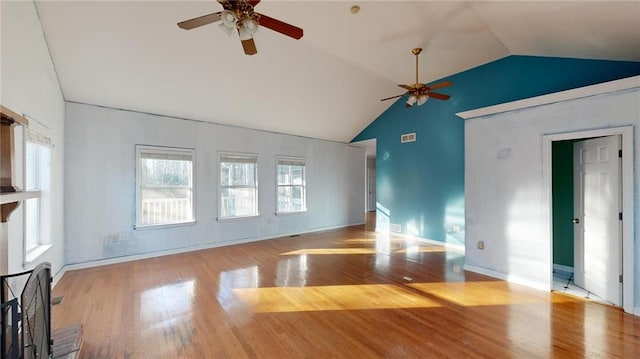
{"x": 408, "y": 137}
{"x": 395, "y": 227}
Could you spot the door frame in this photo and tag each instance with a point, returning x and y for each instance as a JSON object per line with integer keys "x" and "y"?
{"x": 371, "y": 207}
{"x": 628, "y": 250}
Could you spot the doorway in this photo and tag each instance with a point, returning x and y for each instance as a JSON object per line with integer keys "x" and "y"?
{"x": 587, "y": 242}
{"x": 370, "y": 205}
{"x": 371, "y": 184}
{"x": 619, "y": 254}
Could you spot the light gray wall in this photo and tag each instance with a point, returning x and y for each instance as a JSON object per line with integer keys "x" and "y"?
{"x": 30, "y": 86}
{"x": 100, "y": 183}
{"x": 504, "y": 181}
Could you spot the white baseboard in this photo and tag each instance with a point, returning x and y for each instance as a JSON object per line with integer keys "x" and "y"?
{"x": 57, "y": 277}
{"x": 485, "y": 271}
{"x": 168, "y": 252}
{"x": 509, "y": 278}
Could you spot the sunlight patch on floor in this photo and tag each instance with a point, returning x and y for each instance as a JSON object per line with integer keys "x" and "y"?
{"x": 335, "y": 297}
{"x": 486, "y": 293}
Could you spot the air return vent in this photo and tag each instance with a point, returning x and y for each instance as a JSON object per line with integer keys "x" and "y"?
{"x": 395, "y": 227}
{"x": 408, "y": 137}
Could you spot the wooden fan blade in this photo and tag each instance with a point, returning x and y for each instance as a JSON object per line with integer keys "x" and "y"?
{"x": 254, "y": 2}
{"x": 440, "y": 85}
{"x": 249, "y": 47}
{"x": 406, "y": 87}
{"x": 438, "y": 96}
{"x": 200, "y": 21}
{"x": 281, "y": 27}
{"x": 389, "y": 98}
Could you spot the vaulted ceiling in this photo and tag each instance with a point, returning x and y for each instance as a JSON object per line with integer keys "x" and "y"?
{"x": 328, "y": 85}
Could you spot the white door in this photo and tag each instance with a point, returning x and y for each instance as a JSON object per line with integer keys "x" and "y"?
{"x": 371, "y": 188}
{"x": 597, "y": 235}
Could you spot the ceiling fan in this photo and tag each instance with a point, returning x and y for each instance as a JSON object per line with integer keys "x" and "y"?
{"x": 239, "y": 15}
{"x": 419, "y": 93}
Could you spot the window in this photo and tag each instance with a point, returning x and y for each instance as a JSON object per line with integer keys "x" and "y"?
{"x": 37, "y": 210}
{"x": 292, "y": 196}
{"x": 238, "y": 185}
{"x": 164, "y": 192}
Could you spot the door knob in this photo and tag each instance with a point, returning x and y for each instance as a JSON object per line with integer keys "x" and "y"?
{"x": 576, "y": 221}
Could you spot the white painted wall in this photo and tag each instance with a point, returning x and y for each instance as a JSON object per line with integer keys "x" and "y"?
{"x": 100, "y": 183}
{"x": 504, "y": 186}
{"x": 30, "y": 86}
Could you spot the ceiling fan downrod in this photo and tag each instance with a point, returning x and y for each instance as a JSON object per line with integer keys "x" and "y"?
{"x": 416, "y": 52}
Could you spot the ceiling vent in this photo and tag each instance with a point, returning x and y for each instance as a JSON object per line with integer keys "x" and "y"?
{"x": 408, "y": 137}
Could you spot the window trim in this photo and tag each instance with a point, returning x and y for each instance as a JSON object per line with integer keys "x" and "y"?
{"x": 304, "y": 185}
{"x": 223, "y": 154}
{"x": 139, "y": 149}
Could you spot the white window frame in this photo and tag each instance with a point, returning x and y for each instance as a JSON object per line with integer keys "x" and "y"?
{"x": 249, "y": 158}
{"x": 163, "y": 151}
{"x": 40, "y": 192}
{"x": 288, "y": 160}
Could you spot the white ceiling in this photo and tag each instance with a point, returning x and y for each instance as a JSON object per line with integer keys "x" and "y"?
{"x": 131, "y": 55}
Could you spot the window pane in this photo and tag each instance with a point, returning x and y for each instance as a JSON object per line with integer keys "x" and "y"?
{"x": 297, "y": 202}
{"x": 166, "y": 205}
{"x": 297, "y": 175}
{"x": 32, "y": 223}
{"x": 237, "y": 174}
{"x": 164, "y": 173}
{"x": 238, "y": 202}
{"x": 283, "y": 175}
{"x": 225, "y": 174}
{"x": 284, "y": 199}
{"x": 31, "y": 164}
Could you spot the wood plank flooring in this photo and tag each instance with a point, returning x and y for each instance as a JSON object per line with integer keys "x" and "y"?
{"x": 348, "y": 293}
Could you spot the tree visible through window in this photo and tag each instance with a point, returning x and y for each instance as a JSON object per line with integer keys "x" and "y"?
{"x": 292, "y": 196}
{"x": 165, "y": 185}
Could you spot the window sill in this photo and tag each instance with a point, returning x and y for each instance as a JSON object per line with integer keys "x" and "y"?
{"x": 282, "y": 214}
{"x": 238, "y": 218}
{"x": 144, "y": 227}
{"x": 34, "y": 253}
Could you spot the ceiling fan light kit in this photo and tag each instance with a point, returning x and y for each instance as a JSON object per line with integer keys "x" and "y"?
{"x": 418, "y": 93}
{"x": 239, "y": 15}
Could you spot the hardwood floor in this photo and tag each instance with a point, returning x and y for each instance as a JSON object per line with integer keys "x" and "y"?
{"x": 346, "y": 293}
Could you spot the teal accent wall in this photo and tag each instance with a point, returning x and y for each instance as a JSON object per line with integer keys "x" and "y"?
{"x": 420, "y": 185}
{"x": 562, "y": 193}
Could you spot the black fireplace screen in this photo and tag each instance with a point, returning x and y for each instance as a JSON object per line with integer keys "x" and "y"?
{"x": 33, "y": 320}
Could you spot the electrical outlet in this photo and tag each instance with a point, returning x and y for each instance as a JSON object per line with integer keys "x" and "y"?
{"x": 481, "y": 245}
